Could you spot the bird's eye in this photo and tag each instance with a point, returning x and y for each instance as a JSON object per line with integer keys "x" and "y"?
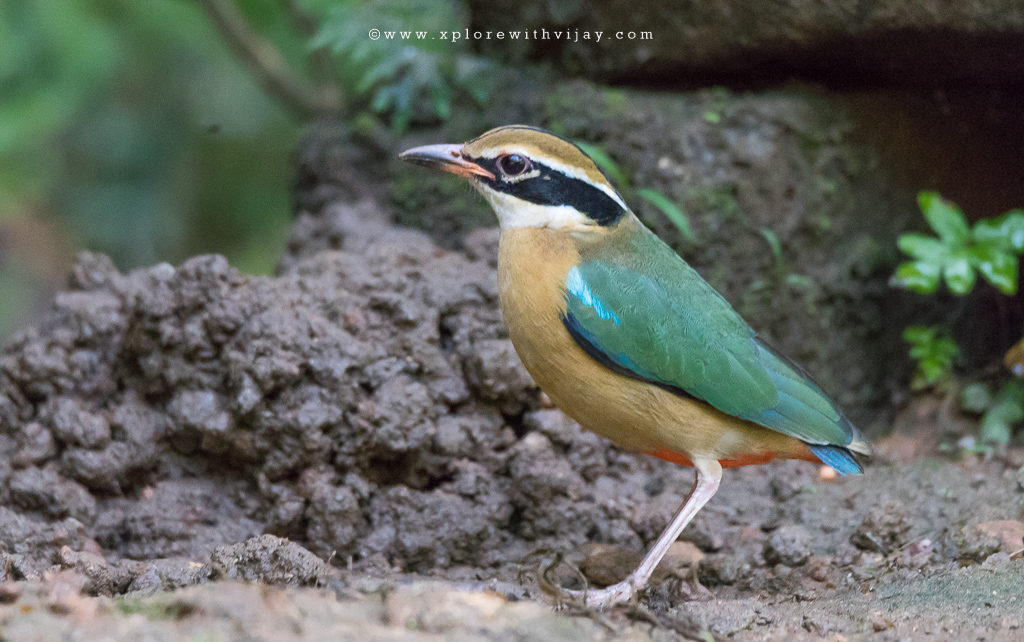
{"x": 514, "y": 164}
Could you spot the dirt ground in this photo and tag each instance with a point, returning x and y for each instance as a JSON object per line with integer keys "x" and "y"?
{"x": 352, "y": 450}
{"x": 782, "y": 555}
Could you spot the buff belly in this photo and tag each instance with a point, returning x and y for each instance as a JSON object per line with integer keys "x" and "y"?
{"x": 637, "y": 416}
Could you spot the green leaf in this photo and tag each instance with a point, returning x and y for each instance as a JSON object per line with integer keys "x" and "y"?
{"x": 1006, "y": 411}
{"x": 670, "y": 210}
{"x": 988, "y": 232}
{"x": 932, "y": 370}
{"x": 934, "y": 353}
{"x": 922, "y": 247}
{"x": 995, "y": 431}
{"x": 384, "y": 69}
{"x": 917, "y": 276}
{"x": 1003, "y": 232}
{"x": 441, "y": 96}
{"x": 975, "y": 397}
{"x": 919, "y": 333}
{"x": 800, "y": 281}
{"x": 605, "y": 162}
{"x": 959, "y": 273}
{"x": 774, "y": 244}
{"x": 945, "y": 218}
{"x": 1013, "y": 228}
{"x": 919, "y": 352}
{"x": 997, "y": 267}
{"x": 996, "y": 425}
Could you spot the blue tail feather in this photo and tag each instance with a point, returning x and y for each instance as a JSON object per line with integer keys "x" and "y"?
{"x": 839, "y": 458}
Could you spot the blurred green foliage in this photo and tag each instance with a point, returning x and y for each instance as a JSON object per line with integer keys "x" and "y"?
{"x": 408, "y": 71}
{"x": 1000, "y": 411}
{"x": 145, "y": 131}
{"x": 934, "y": 351}
{"x": 956, "y": 255}
{"x": 133, "y": 129}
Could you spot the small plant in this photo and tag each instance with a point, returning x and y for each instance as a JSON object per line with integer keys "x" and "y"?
{"x": 956, "y": 256}
{"x": 934, "y": 351}
{"x": 1000, "y": 412}
{"x": 783, "y": 275}
{"x": 654, "y": 197}
{"x": 959, "y": 253}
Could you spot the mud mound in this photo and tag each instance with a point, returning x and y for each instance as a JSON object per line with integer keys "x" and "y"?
{"x": 366, "y": 403}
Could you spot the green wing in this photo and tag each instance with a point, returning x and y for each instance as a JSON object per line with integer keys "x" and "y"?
{"x": 646, "y": 313}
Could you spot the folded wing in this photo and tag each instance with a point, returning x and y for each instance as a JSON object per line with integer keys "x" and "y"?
{"x": 669, "y": 327}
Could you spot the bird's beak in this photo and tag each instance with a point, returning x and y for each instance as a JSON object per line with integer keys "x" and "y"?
{"x": 445, "y": 157}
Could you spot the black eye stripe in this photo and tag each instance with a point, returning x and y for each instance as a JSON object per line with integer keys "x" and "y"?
{"x": 552, "y": 187}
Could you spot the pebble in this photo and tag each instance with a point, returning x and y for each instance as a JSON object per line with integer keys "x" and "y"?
{"x": 789, "y": 545}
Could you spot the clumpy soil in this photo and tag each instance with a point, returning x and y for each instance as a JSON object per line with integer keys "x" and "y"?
{"x": 359, "y": 433}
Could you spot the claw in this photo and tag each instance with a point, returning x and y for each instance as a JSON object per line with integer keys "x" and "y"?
{"x": 587, "y": 598}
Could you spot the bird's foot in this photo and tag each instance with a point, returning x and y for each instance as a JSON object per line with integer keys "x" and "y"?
{"x": 588, "y": 598}
{"x": 603, "y": 598}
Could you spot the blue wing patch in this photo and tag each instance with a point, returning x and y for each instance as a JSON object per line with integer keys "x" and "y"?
{"x": 578, "y": 288}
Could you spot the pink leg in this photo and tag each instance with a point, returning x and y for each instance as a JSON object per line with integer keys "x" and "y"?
{"x": 709, "y": 474}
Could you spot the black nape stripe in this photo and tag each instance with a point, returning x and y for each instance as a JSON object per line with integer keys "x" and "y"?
{"x": 552, "y": 187}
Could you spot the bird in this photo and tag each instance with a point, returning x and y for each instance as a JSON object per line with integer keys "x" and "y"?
{"x": 626, "y": 338}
